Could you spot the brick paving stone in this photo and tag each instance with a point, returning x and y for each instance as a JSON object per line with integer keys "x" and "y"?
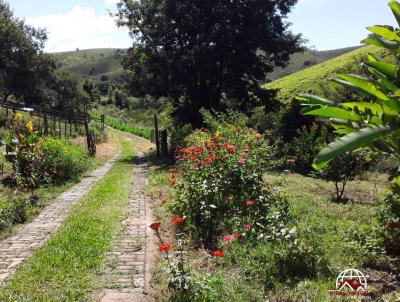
{"x": 17, "y": 248}
{"x": 123, "y": 276}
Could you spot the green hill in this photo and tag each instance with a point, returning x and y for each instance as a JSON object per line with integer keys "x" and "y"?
{"x": 306, "y": 59}
{"x": 315, "y": 79}
{"x": 106, "y": 61}
{"x": 92, "y": 62}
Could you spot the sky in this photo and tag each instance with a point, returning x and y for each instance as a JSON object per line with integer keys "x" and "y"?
{"x": 326, "y": 24}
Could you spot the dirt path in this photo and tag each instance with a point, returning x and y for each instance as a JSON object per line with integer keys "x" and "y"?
{"x": 30, "y": 237}
{"x": 126, "y": 271}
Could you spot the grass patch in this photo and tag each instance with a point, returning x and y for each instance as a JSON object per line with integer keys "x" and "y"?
{"x": 65, "y": 268}
{"x": 331, "y": 238}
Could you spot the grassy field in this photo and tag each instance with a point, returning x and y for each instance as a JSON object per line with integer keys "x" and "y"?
{"x": 306, "y": 59}
{"x": 91, "y": 62}
{"x": 315, "y": 79}
{"x": 332, "y": 237}
{"x": 64, "y": 269}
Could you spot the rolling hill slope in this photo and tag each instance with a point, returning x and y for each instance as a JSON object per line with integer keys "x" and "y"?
{"x": 92, "y": 62}
{"x": 106, "y": 61}
{"x": 303, "y": 60}
{"x": 315, "y": 79}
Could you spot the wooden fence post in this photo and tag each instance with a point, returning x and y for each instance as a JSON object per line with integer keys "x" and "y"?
{"x": 164, "y": 143}
{"x": 156, "y": 135}
{"x": 46, "y": 125}
{"x": 102, "y": 122}
{"x": 54, "y": 125}
{"x": 59, "y": 128}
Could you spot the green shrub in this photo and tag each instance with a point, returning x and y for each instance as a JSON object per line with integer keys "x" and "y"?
{"x": 305, "y": 145}
{"x": 66, "y": 160}
{"x": 221, "y": 186}
{"x": 343, "y": 169}
{"x": 14, "y": 210}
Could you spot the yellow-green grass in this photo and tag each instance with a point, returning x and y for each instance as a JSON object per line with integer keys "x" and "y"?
{"x": 316, "y": 79}
{"x": 65, "y": 268}
{"x": 327, "y": 230}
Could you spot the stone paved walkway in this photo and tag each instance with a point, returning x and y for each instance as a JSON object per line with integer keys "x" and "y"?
{"x": 124, "y": 275}
{"x": 30, "y": 237}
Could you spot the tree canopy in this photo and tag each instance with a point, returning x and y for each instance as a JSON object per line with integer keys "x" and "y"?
{"x": 23, "y": 66}
{"x": 209, "y": 54}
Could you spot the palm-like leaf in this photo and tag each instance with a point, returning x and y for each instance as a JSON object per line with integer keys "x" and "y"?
{"x": 350, "y": 142}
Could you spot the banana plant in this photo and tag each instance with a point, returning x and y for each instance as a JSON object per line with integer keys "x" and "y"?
{"x": 374, "y": 121}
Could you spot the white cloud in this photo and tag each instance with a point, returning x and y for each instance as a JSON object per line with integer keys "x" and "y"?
{"x": 111, "y": 2}
{"x": 81, "y": 28}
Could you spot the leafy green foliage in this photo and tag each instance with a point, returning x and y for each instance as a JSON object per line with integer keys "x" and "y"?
{"x": 193, "y": 52}
{"x": 316, "y": 79}
{"x": 221, "y": 186}
{"x": 343, "y": 169}
{"x": 377, "y": 117}
{"x": 66, "y": 160}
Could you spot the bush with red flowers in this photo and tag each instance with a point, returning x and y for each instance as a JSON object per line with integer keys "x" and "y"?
{"x": 219, "y": 185}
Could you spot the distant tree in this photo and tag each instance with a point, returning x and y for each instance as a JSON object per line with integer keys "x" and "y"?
{"x": 25, "y": 71}
{"x": 120, "y": 98}
{"x": 72, "y": 94}
{"x": 343, "y": 169}
{"x": 208, "y": 53}
{"x": 110, "y": 96}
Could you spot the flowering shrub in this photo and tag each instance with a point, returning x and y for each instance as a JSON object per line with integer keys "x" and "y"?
{"x": 22, "y": 149}
{"x": 37, "y": 161}
{"x": 220, "y": 188}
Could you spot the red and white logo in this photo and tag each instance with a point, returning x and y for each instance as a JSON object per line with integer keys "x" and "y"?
{"x": 350, "y": 282}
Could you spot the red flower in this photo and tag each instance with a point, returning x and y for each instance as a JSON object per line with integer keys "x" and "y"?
{"x": 171, "y": 170}
{"x": 217, "y": 253}
{"x": 231, "y": 237}
{"x": 238, "y": 129}
{"x": 227, "y": 237}
{"x": 165, "y": 247}
{"x": 230, "y": 148}
{"x": 155, "y": 225}
{"x": 258, "y": 136}
{"x": 249, "y": 202}
{"x": 242, "y": 161}
{"x": 163, "y": 202}
{"x": 177, "y": 220}
{"x": 247, "y": 226}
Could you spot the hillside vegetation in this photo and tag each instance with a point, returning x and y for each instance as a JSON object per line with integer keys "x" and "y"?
{"x": 105, "y": 61}
{"x": 306, "y": 59}
{"x": 92, "y": 62}
{"x": 315, "y": 79}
